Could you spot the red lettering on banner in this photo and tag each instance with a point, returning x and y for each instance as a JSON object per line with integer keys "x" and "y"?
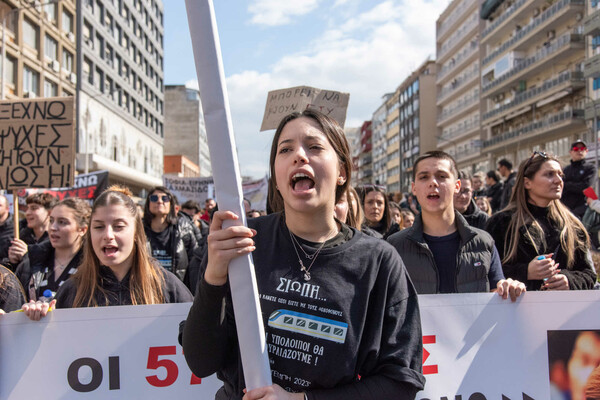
{"x": 428, "y": 369}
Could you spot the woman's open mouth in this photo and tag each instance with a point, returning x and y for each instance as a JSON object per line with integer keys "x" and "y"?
{"x": 301, "y": 182}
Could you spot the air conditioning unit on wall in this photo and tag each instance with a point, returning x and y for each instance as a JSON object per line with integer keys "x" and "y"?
{"x": 55, "y": 65}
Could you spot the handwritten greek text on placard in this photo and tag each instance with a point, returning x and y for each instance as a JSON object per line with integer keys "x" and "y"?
{"x": 36, "y": 143}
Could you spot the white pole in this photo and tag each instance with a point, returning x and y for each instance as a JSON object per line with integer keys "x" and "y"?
{"x": 228, "y": 187}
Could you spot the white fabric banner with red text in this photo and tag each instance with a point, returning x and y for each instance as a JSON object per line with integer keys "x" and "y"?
{"x": 476, "y": 346}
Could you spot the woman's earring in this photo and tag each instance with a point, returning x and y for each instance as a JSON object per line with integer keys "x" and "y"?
{"x": 340, "y": 181}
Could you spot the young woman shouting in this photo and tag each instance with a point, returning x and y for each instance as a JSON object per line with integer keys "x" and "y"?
{"x": 322, "y": 284}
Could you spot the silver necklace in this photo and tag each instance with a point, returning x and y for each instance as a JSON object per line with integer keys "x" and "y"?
{"x": 312, "y": 257}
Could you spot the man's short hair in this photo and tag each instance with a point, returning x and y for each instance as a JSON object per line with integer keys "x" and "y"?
{"x": 505, "y": 163}
{"x": 440, "y": 155}
{"x": 494, "y": 175}
{"x": 465, "y": 176}
{"x": 191, "y": 205}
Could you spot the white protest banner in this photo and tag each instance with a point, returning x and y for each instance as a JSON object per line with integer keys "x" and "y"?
{"x": 228, "y": 187}
{"x": 481, "y": 347}
{"x": 256, "y": 192}
{"x": 37, "y": 143}
{"x": 190, "y": 188}
{"x": 128, "y": 352}
{"x": 285, "y": 101}
{"x": 475, "y": 346}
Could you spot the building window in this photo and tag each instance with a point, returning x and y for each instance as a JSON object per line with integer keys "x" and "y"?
{"x": 31, "y": 80}
{"x": 50, "y": 89}
{"x": 67, "y": 21}
{"x": 87, "y": 71}
{"x": 10, "y": 70}
{"x": 67, "y": 60}
{"x": 99, "y": 81}
{"x": 100, "y": 47}
{"x": 51, "y": 48}
{"x": 50, "y": 10}
{"x": 30, "y": 34}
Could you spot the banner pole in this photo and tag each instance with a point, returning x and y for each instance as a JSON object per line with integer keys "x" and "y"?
{"x": 15, "y": 194}
{"x": 228, "y": 188}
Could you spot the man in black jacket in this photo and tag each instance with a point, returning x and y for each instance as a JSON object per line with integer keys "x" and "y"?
{"x": 578, "y": 176}
{"x": 441, "y": 252}
{"x": 505, "y": 168}
{"x": 494, "y": 189}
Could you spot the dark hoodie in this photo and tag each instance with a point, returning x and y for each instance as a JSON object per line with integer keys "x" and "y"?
{"x": 475, "y": 217}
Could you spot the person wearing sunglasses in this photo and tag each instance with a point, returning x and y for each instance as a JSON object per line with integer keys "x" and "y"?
{"x": 539, "y": 240}
{"x": 578, "y": 176}
{"x": 171, "y": 239}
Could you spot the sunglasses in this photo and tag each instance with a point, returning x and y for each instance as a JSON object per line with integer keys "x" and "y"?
{"x": 535, "y": 153}
{"x": 579, "y": 148}
{"x": 154, "y": 198}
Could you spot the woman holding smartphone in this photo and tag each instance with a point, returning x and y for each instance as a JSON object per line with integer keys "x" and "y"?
{"x": 540, "y": 242}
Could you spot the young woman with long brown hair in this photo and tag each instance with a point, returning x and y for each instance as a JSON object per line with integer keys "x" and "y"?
{"x": 357, "y": 305}
{"x": 116, "y": 268}
{"x": 539, "y": 240}
{"x": 50, "y": 263}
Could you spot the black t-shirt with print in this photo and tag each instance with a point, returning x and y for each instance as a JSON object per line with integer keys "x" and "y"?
{"x": 162, "y": 247}
{"x": 352, "y": 331}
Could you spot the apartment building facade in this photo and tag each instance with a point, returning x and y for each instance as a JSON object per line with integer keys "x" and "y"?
{"x": 40, "y": 48}
{"x": 185, "y": 132}
{"x": 458, "y": 88}
{"x": 411, "y": 125}
{"x": 532, "y": 80}
{"x": 591, "y": 30}
{"x": 365, "y": 157}
{"x": 379, "y": 151}
{"x": 121, "y": 91}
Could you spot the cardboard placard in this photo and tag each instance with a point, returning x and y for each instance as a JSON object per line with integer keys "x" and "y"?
{"x": 285, "y": 101}
{"x": 37, "y": 143}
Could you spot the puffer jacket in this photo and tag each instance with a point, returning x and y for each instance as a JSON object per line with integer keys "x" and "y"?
{"x": 183, "y": 244}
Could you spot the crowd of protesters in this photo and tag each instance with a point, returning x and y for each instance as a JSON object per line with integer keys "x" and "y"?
{"x": 506, "y": 231}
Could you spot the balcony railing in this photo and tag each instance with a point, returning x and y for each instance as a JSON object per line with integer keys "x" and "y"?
{"x": 591, "y": 24}
{"x": 458, "y": 12}
{"x": 459, "y": 129}
{"x": 461, "y": 105}
{"x": 522, "y": 97}
{"x": 542, "y": 18}
{"x": 538, "y": 125}
{"x": 540, "y": 55}
{"x": 458, "y": 83}
{"x": 505, "y": 15}
{"x": 460, "y": 34}
{"x": 466, "y": 53}
{"x": 459, "y": 155}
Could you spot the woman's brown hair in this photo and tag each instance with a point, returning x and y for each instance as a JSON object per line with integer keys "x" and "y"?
{"x": 336, "y": 137}
{"x": 145, "y": 282}
{"x": 572, "y": 233}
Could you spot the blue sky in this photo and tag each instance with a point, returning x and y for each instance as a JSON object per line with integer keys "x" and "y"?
{"x": 364, "y": 47}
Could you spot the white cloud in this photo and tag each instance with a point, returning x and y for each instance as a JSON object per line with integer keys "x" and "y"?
{"x": 367, "y": 55}
{"x": 278, "y": 12}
